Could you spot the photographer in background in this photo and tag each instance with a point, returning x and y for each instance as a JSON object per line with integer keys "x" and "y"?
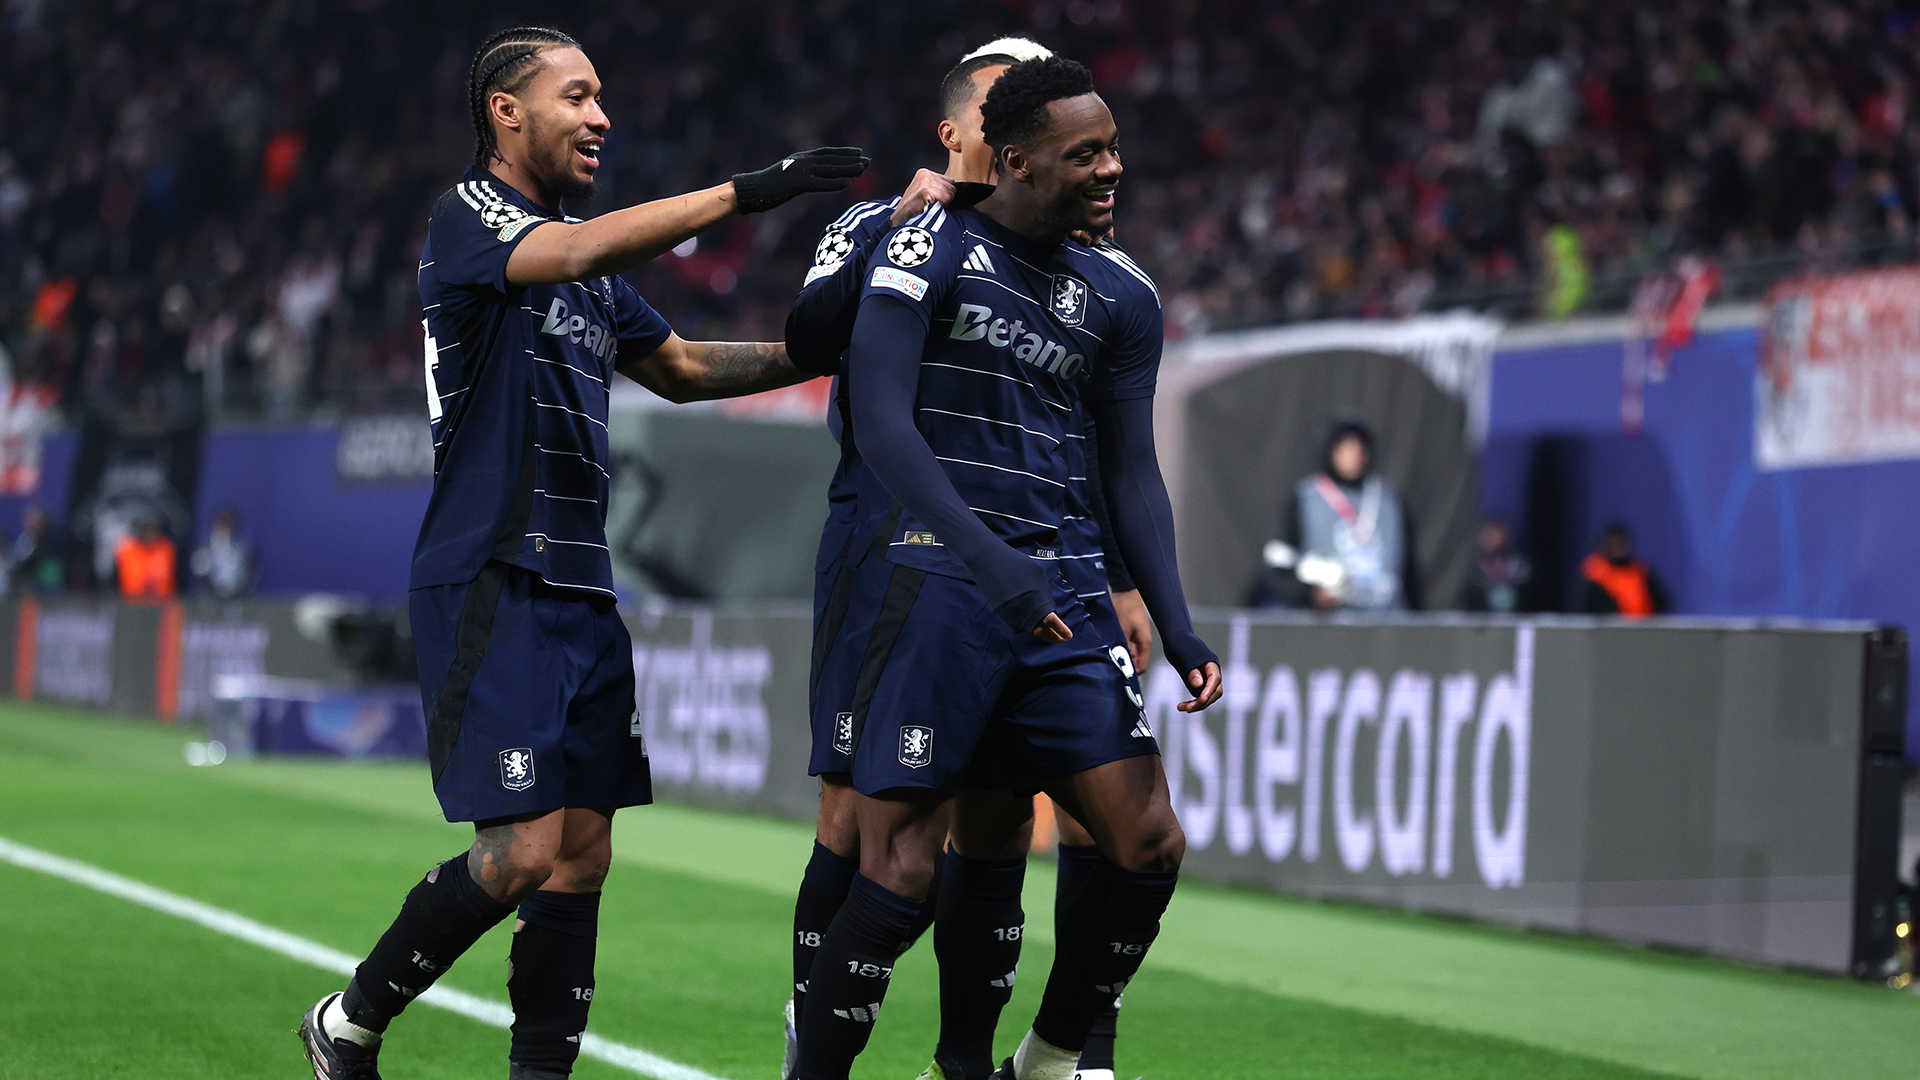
{"x": 1345, "y": 539}
{"x": 224, "y": 565}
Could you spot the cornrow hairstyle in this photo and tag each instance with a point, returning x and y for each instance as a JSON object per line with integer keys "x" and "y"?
{"x": 1016, "y": 107}
{"x": 504, "y": 62}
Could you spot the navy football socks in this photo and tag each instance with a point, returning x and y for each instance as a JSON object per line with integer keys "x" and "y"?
{"x": 1077, "y": 865}
{"x": 823, "y": 888}
{"x": 977, "y": 937}
{"x": 849, "y": 978}
{"x": 440, "y": 919}
{"x": 928, "y": 907}
{"x": 1098, "y": 1053}
{"x": 550, "y": 981}
{"x": 1105, "y": 934}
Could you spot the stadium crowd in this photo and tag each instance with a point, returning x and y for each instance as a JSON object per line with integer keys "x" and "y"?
{"x": 222, "y": 202}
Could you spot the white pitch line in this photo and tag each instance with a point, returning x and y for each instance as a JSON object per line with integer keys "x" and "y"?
{"x": 233, "y": 925}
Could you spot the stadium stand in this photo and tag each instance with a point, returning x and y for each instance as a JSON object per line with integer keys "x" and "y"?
{"x": 253, "y": 178}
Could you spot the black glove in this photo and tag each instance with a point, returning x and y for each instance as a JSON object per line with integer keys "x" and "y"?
{"x": 830, "y": 168}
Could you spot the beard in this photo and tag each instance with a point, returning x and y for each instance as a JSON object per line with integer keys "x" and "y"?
{"x": 574, "y": 189}
{"x": 555, "y": 160}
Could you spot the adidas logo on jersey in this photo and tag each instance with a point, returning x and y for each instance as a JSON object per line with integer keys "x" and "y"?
{"x": 978, "y": 259}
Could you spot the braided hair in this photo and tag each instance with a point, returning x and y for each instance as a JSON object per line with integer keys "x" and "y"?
{"x": 504, "y": 62}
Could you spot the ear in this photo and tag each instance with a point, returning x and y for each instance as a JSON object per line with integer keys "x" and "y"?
{"x": 1013, "y": 163}
{"x": 505, "y": 109}
{"x": 949, "y": 135}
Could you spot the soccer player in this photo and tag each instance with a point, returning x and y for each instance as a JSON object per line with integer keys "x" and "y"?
{"x": 979, "y": 332}
{"x": 526, "y": 669}
{"x": 979, "y": 906}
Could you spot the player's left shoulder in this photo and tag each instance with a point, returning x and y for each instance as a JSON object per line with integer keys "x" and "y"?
{"x": 1115, "y": 273}
{"x": 488, "y": 205}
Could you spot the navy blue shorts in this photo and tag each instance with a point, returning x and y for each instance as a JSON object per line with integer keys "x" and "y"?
{"x": 529, "y": 697}
{"x": 923, "y": 686}
{"x": 836, "y": 662}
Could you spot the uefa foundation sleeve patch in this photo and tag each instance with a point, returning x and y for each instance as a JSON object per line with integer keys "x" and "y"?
{"x": 886, "y": 277}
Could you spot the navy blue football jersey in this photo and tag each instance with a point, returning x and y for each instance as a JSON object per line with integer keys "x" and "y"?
{"x": 1082, "y": 557}
{"x": 517, "y": 390}
{"x": 1018, "y": 334}
{"x": 823, "y": 314}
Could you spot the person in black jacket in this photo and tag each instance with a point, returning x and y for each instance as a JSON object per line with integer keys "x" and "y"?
{"x": 1501, "y": 578}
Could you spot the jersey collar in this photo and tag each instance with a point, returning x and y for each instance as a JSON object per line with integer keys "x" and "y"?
{"x": 1013, "y": 241}
{"x": 509, "y": 192}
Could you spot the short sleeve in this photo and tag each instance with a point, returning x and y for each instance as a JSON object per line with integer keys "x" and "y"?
{"x": 1132, "y": 367}
{"x": 916, "y": 263}
{"x": 638, "y": 328}
{"x": 848, "y": 240}
{"x": 473, "y": 232}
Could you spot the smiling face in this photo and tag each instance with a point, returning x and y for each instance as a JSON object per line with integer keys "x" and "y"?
{"x": 555, "y": 123}
{"x": 1073, "y": 166}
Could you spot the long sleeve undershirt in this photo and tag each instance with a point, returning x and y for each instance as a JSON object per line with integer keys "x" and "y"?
{"x": 883, "y": 381}
{"x": 1142, "y": 520}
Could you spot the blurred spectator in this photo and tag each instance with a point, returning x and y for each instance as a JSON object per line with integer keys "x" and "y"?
{"x": 1284, "y": 161}
{"x": 1345, "y": 540}
{"x": 224, "y": 565}
{"x": 1614, "y": 582}
{"x": 145, "y": 561}
{"x": 37, "y": 562}
{"x": 1501, "y": 574}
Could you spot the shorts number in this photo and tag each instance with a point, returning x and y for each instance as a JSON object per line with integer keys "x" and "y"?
{"x": 1124, "y": 949}
{"x": 1123, "y": 660}
{"x": 1009, "y": 933}
{"x": 868, "y": 971}
{"x": 808, "y": 938}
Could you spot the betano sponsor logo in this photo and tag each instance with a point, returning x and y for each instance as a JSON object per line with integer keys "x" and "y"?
{"x": 1285, "y": 755}
{"x": 577, "y": 329}
{"x": 976, "y": 322}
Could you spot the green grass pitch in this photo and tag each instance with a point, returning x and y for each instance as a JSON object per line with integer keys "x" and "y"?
{"x": 693, "y": 951}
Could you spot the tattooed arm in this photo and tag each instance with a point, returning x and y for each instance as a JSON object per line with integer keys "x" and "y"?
{"x": 683, "y": 371}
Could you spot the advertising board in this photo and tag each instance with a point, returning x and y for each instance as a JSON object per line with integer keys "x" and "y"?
{"x": 1719, "y": 786}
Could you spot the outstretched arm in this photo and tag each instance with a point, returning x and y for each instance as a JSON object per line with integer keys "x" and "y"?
{"x": 613, "y": 243}
{"x": 1142, "y": 519}
{"x": 683, "y": 371}
{"x": 883, "y": 379}
{"x": 617, "y": 242}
